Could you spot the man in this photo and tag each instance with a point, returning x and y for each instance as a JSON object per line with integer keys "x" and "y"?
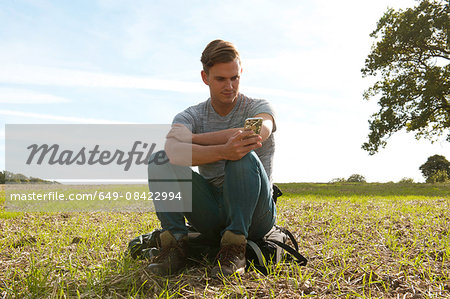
{"x": 231, "y": 197}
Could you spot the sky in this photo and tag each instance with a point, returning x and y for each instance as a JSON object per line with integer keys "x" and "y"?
{"x": 113, "y": 61}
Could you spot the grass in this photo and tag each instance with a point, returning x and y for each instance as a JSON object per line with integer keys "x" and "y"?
{"x": 362, "y": 241}
{"x": 79, "y": 198}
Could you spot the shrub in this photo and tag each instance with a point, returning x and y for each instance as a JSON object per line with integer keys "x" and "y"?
{"x": 406, "y": 181}
{"x": 356, "y": 178}
{"x": 338, "y": 180}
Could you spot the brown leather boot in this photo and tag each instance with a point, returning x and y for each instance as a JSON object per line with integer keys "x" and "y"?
{"x": 231, "y": 257}
{"x": 171, "y": 257}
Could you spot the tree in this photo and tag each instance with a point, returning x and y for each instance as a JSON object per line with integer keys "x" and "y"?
{"x": 2, "y": 177}
{"x": 338, "y": 180}
{"x": 440, "y": 176}
{"x": 410, "y": 60}
{"x": 435, "y": 164}
{"x": 356, "y": 178}
{"x": 406, "y": 181}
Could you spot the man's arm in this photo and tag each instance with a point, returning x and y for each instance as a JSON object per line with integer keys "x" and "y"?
{"x": 205, "y": 148}
{"x": 183, "y": 134}
{"x": 267, "y": 125}
{"x": 214, "y": 138}
{"x": 221, "y": 137}
{"x": 187, "y": 154}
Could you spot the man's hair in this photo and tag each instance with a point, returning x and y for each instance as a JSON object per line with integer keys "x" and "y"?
{"x": 218, "y": 51}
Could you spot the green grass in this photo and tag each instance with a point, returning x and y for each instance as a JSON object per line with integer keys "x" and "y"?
{"x": 98, "y": 198}
{"x": 367, "y": 189}
{"x": 362, "y": 241}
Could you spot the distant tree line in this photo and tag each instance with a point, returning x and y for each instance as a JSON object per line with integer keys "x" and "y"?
{"x": 18, "y": 178}
{"x": 354, "y": 178}
{"x": 435, "y": 170}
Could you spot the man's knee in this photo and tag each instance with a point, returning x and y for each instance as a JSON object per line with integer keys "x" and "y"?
{"x": 249, "y": 161}
{"x": 159, "y": 168}
{"x": 158, "y": 164}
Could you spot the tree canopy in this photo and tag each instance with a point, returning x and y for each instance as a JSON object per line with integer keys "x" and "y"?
{"x": 356, "y": 178}
{"x": 435, "y": 164}
{"x": 410, "y": 61}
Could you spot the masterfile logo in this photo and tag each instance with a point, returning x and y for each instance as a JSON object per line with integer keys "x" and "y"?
{"x": 88, "y": 152}
{"x": 54, "y": 168}
{"x": 54, "y": 155}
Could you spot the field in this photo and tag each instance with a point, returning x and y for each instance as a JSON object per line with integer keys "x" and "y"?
{"x": 361, "y": 240}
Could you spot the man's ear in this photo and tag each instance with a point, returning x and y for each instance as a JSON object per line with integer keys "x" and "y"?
{"x": 205, "y": 77}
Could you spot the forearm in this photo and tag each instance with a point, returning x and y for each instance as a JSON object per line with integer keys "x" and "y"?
{"x": 267, "y": 125}
{"x": 214, "y": 138}
{"x": 186, "y": 154}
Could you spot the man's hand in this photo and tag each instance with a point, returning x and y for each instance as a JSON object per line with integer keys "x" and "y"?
{"x": 179, "y": 140}
{"x": 241, "y": 143}
{"x": 181, "y": 133}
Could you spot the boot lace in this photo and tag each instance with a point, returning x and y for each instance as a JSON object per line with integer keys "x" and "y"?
{"x": 227, "y": 253}
{"x": 165, "y": 252}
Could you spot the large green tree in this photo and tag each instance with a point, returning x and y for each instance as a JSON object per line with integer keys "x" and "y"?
{"x": 410, "y": 61}
{"x": 435, "y": 164}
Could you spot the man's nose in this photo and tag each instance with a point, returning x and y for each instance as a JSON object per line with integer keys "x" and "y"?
{"x": 229, "y": 84}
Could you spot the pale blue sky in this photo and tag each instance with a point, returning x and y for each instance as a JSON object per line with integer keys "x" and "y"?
{"x": 138, "y": 62}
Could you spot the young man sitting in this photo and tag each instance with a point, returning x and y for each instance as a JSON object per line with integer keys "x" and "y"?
{"x": 231, "y": 194}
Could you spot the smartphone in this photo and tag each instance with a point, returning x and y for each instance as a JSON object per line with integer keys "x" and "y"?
{"x": 254, "y": 124}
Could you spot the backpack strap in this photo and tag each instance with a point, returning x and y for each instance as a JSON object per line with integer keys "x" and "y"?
{"x": 301, "y": 260}
{"x": 276, "y": 192}
{"x": 290, "y": 235}
{"x": 257, "y": 251}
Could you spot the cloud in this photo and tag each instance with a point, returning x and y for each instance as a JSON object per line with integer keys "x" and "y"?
{"x": 69, "y": 119}
{"x": 35, "y": 75}
{"x": 49, "y": 76}
{"x": 23, "y": 96}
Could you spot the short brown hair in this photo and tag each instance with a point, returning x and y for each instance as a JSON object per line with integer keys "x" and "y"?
{"x": 218, "y": 51}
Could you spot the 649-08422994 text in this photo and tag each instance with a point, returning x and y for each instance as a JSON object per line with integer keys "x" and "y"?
{"x": 97, "y": 195}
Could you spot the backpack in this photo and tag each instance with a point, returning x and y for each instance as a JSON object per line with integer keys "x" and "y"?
{"x": 271, "y": 248}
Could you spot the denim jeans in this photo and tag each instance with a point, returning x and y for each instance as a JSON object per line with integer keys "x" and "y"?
{"x": 243, "y": 205}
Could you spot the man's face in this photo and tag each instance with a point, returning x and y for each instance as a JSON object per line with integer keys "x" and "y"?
{"x": 223, "y": 81}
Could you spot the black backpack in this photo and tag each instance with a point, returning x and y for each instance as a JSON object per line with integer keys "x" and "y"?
{"x": 272, "y": 248}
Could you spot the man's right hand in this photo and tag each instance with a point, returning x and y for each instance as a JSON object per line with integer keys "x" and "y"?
{"x": 237, "y": 146}
{"x": 240, "y": 144}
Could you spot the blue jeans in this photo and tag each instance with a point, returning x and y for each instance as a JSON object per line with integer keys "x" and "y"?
{"x": 243, "y": 205}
